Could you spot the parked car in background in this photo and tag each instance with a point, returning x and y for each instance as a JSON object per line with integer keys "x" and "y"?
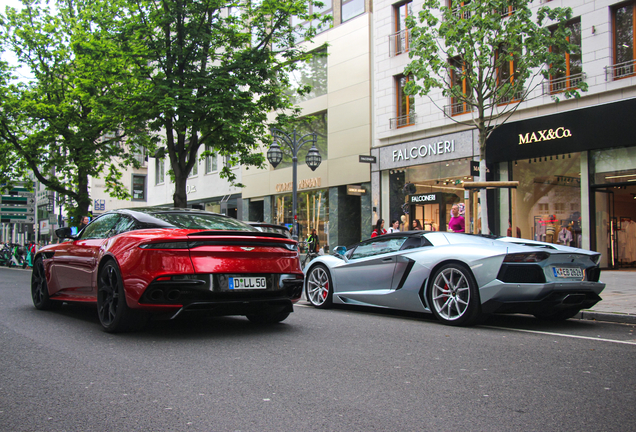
{"x": 458, "y": 277}
{"x": 163, "y": 262}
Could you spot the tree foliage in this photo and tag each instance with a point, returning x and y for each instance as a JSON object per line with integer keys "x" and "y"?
{"x": 72, "y": 119}
{"x": 215, "y": 69}
{"x": 466, "y": 50}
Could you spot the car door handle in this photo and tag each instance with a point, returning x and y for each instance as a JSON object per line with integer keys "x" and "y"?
{"x": 387, "y": 259}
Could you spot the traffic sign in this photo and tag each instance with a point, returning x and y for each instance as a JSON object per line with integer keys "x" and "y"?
{"x": 17, "y": 210}
{"x": 17, "y": 218}
{"x": 17, "y": 200}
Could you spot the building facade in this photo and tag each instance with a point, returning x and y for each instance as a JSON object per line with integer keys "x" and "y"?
{"x": 335, "y": 198}
{"x": 574, "y": 160}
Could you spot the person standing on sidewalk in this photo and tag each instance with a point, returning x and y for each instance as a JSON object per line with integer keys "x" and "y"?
{"x": 379, "y": 228}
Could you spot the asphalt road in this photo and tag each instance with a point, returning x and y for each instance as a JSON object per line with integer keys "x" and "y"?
{"x": 334, "y": 370}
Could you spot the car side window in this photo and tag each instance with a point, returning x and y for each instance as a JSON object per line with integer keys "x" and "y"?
{"x": 378, "y": 246}
{"x": 124, "y": 224}
{"x": 101, "y": 227}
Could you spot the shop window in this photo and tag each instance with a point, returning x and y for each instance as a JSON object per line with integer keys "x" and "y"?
{"x": 549, "y": 197}
{"x": 160, "y": 171}
{"x": 405, "y": 104}
{"x": 506, "y": 64}
{"x": 312, "y": 211}
{"x": 459, "y": 87}
{"x": 309, "y": 79}
{"x": 571, "y": 77}
{"x": 138, "y": 187}
{"x": 351, "y": 9}
{"x": 399, "y": 41}
{"x": 623, "y": 18}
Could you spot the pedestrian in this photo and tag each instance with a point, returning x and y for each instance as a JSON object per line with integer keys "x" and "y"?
{"x": 456, "y": 222}
{"x": 379, "y": 228}
{"x": 83, "y": 223}
{"x": 395, "y": 226}
{"x": 312, "y": 242}
{"x": 417, "y": 226}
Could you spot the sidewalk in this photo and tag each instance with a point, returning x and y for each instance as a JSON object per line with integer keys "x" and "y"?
{"x": 619, "y": 298}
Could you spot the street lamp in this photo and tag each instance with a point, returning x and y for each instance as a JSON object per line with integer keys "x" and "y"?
{"x": 275, "y": 156}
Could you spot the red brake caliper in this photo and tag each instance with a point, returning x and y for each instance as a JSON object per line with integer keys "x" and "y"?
{"x": 325, "y": 291}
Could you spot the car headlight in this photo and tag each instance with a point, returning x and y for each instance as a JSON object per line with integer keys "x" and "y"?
{"x": 530, "y": 257}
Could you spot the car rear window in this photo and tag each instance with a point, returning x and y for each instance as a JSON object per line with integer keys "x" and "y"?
{"x": 203, "y": 221}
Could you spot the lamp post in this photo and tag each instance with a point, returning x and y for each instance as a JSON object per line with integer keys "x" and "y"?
{"x": 275, "y": 156}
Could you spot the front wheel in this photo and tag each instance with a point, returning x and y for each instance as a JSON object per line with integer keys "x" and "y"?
{"x": 40, "y": 289}
{"x": 114, "y": 314}
{"x": 453, "y": 295}
{"x": 319, "y": 289}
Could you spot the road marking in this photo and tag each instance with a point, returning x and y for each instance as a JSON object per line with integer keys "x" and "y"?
{"x": 562, "y": 335}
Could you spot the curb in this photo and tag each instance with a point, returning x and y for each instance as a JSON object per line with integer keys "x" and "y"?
{"x": 607, "y": 316}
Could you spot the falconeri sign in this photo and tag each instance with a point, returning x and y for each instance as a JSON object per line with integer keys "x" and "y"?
{"x": 544, "y": 135}
{"x": 424, "y": 150}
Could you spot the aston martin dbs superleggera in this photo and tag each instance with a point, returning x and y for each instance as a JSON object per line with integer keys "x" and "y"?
{"x": 458, "y": 277}
{"x": 135, "y": 263}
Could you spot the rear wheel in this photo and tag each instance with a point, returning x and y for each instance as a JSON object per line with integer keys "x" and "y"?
{"x": 453, "y": 295}
{"x": 319, "y": 289}
{"x": 40, "y": 289}
{"x": 114, "y": 314}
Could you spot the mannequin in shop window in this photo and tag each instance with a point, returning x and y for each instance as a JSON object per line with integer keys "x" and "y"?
{"x": 565, "y": 236}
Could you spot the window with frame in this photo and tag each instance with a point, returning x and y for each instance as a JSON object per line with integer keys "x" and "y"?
{"x": 195, "y": 168}
{"x": 506, "y": 65}
{"x": 400, "y": 39}
{"x": 405, "y": 103}
{"x": 623, "y": 18}
{"x": 456, "y": 7}
{"x": 325, "y": 9}
{"x": 138, "y": 187}
{"x": 160, "y": 171}
{"x": 309, "y": 79}
{"x": 459, "y": 83}
{"x": 211, "y": 162}
{"x": 378, "y": 246}
{"x": 573, "y": 74}
{"x": 509, "y": 9}
{"x": 351, "y": 9}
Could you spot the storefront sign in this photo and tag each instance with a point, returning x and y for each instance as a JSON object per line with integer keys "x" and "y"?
{"x": 355, "y": 190}
{"x": 303, "y": 184}
{"x": 367, "y": 159}
{"x": 544, "y": 135}
{"x": 424, "y": 198}
{"x": 424, "y": 150}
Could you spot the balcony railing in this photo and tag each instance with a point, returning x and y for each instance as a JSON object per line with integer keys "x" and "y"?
{"x": 457, "y": 109}
{"x": 405, "y": 120}
{"x": 620, "y": 70}
{"x": 562, "y": 84}
{"x": 399, "y": 42}
{"x": 516, "y": 97}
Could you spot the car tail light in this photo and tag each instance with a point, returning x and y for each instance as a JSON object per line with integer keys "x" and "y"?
{"x": 531, "y": 257}
{"x": 166, "y": 245}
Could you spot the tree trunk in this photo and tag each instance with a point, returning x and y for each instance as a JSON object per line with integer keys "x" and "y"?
{"x": 180, "y": 198}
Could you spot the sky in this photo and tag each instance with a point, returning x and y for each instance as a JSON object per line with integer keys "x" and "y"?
{"x": 23, "y": 74}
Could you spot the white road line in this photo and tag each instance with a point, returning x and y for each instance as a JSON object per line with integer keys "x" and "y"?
{"x": 562, "y": 335}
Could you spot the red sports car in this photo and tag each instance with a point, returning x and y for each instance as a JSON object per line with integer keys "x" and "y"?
{"x": 138, "y": 263}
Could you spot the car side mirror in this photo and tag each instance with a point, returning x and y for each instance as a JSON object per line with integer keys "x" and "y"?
{"x": 340, "y": 250}
{"x": 64, "y": 232}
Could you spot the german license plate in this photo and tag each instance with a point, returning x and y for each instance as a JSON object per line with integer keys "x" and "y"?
{"x": 240, "y": 283}
{"x": 568, "y": 272}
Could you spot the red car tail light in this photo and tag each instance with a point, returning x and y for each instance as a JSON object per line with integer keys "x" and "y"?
{"x": 531, "y": 257}
{"x": 166, "y": 245}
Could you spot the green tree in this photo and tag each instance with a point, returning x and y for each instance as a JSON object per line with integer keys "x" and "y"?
{"x": 215, "y": 69}
{"x": 71, "y": 119}
{"x": 487, "y": 56}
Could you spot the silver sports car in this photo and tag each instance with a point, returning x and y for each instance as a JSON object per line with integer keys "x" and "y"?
{"x": 457, "y": 277}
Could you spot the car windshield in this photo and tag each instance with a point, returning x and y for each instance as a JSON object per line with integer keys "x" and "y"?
{"x": 203, "y": 221}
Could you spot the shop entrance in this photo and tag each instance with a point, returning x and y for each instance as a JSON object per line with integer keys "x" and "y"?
{"x": 615, "y": 225}
{"x": 432, "y": 211}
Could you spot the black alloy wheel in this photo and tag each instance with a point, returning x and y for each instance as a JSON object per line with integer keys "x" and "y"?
{"x": 114, "y": 314}
{"x": 40, "y": 289}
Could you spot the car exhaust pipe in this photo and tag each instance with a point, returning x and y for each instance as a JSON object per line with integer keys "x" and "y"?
{"x": 156, "y": 295}
{"x": 571, "y": 299}
{"x": 173, "y": 295}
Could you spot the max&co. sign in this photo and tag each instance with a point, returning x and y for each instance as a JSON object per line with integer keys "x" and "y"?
{"x": 544, "y": 135}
